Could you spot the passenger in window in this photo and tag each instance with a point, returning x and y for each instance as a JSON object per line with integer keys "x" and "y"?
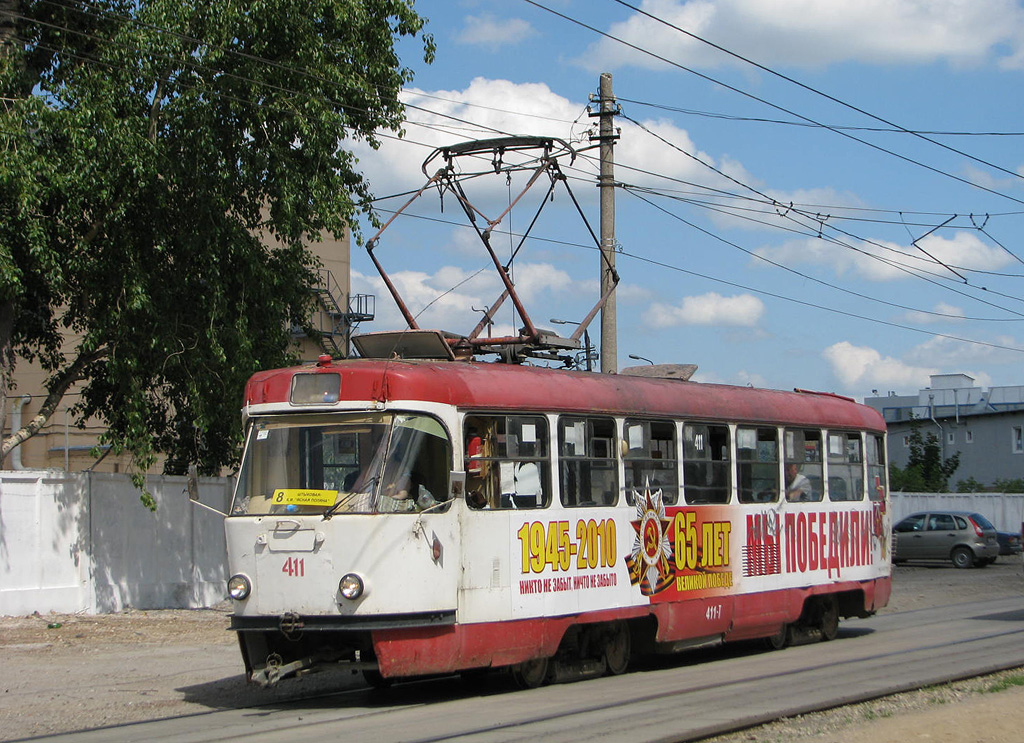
{"x": 798, "y": 487}
{"x": 474, "y": 450}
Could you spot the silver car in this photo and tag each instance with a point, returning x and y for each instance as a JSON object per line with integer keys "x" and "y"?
{"x": 968, "y": 539}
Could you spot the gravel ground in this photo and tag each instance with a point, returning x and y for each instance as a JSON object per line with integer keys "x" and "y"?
{"x": 70, "y": 672}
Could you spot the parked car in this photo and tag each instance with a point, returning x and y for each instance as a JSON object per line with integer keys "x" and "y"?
{"x": 1009, "y": 543}
{"x": 967, "y": 539}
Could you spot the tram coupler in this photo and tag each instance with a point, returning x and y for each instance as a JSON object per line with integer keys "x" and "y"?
{"x": 271, "y": 673}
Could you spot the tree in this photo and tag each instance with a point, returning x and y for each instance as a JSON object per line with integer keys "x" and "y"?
{"x": 970, "y": 485}
{"x": 926, "y": 470}
{"x": 151, "y": 149}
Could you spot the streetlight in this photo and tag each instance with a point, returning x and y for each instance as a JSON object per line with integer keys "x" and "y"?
{"x": 586, "y": 339}
{"x": 641, "y": 358}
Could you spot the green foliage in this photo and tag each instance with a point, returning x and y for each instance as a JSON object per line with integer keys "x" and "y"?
{"x": 926, "y": 470}
{"x": 1007, "y": 682}
{"x": 150, "y": 151}
{"x": 970, "y": 485}
{"x": 1013, "y": 485}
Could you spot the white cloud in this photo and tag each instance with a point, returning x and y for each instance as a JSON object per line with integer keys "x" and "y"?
{"x": 707, "y": 309}
{"x": 446, "y": 299}
{"x": 438, "y": 118}
{"x": 860, "y": 366}
{"x": 953, "y": 355}
{"x": 944, "y": 313}
{"x": 535, "y": 279}
{"x": 886, "y": 261}
{"x": 489, "y": 31}
{"x": 816, "y": 33}
{"x": 501, "y": 106}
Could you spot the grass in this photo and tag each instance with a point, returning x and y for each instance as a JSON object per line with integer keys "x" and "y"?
{"x": 1006, "y": 682}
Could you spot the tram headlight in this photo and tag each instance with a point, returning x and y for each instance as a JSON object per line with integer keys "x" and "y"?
{"x": 351, "y": 586}
{"x": 239, "y": 587}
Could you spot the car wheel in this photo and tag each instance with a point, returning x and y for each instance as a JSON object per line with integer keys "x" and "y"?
{"x": 963, "y": 557}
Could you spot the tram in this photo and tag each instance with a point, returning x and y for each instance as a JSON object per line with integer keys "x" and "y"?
{"x": 404, "y": 517}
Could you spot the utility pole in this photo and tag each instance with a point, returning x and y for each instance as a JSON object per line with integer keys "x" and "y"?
{"x": 607, "y": 110}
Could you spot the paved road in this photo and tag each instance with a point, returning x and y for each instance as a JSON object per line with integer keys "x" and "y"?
{"x": 709, "y": 693}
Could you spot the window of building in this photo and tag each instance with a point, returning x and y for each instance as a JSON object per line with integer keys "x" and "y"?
{"x": 707, "y": 466}
{"x": 507, "y": 461}
{"x": 845, "y": 467}
{"x": 1018, "y": 439}
{"x": 757, "y": 464}
{"x": 803, "y": 468}
{"x": 950, "y": 438}
{"x": 877, "y": 471}
{"x": 587, "y": 468}
{"x": 969, "y": 437}
{"x": 650, "y": 459}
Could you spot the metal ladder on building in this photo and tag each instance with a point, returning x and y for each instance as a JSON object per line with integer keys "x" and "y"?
{"x": 339, "y": 315}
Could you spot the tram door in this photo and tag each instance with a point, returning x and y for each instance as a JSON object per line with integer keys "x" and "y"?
{"x": 507, "y": 463}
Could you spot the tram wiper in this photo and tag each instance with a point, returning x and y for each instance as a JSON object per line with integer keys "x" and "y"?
{"x": 334, "y": 509}
{"x": 347, "y": 499}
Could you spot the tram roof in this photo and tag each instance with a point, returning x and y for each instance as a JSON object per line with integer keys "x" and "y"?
{"x": 493, "y": 386}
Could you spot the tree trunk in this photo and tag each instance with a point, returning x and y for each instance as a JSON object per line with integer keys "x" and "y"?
{"x": 57, "y": 388}
{"x": 6, "y": 362}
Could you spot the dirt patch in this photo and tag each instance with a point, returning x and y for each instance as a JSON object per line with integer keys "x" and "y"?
{"x": 70, "y": 672}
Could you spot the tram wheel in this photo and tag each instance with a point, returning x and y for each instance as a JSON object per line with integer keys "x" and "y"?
{"x": 829, "y": 618}
{"x": 617, "y": 648}
{"x": 780, "y": 639}
{"x": 530, "y": 674}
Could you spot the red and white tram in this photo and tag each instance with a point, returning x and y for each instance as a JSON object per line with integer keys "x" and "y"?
{"x": 408, "y": 517}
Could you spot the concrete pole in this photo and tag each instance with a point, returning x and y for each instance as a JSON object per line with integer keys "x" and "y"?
{"x": 606, "y": 182}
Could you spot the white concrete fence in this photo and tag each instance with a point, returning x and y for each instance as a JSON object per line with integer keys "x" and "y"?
{"x": 82, "y": 542}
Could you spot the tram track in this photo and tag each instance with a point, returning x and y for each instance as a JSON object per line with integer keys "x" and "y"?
{"x": 703, "y": 693}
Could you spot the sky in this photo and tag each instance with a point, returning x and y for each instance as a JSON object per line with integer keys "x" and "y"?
{"x": 817, "y": 194}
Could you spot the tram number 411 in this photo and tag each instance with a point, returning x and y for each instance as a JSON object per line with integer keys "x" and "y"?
{"x": 294, "y": 567}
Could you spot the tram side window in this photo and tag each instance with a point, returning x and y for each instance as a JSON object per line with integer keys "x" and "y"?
{"x": 877, "y": 471}
{"x": 803, "y": 470}
{"x": 845, "y": 467}
{"x": 649, "y": 451}
{"x": 706, "y": 463}
{"x": 588, "y": 467}
{"x": 757, "y": 464}
{"x": 507, "y": 461}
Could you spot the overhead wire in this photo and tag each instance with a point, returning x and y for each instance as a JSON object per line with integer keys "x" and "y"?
{"x": 763, "y": 292}
{"x": 785, "y": 110}
{"x": 808, "y": 125}
{"x": 815, "y": 91}
{"x": 437, "y": 127}
{"x": 808, "y": 277}
{"x": 790, "y": 209}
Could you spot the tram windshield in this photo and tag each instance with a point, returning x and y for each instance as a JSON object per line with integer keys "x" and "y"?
{"x": 376, "y": 463}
